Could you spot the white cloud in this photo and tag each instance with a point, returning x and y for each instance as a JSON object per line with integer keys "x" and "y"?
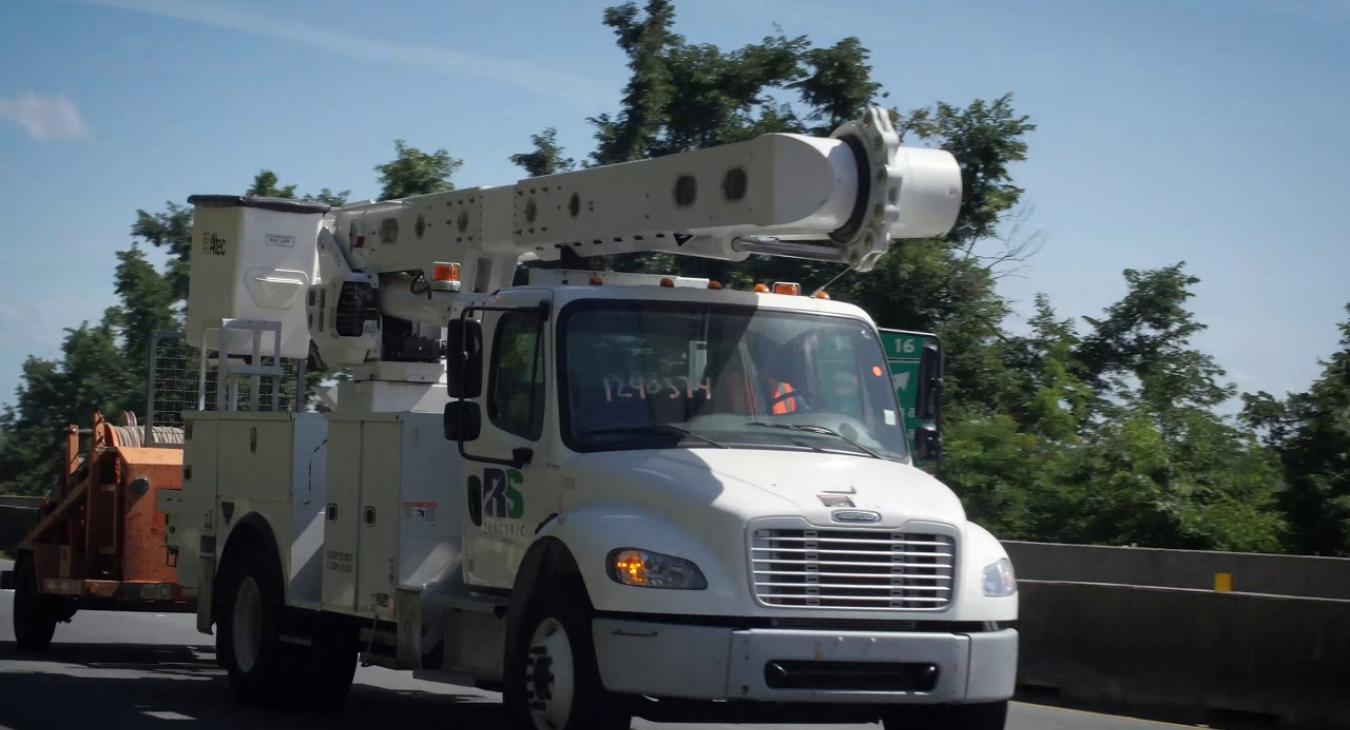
{"x": 44, "y": 117}
{"x": 538, "y": 79}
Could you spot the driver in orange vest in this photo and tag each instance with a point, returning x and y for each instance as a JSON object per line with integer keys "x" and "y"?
{"x": 782, "y": 399}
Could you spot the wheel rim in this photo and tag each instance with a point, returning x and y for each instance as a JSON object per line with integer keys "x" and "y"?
{"x": 550, "y": 680}
{"x": 246, "y": 624}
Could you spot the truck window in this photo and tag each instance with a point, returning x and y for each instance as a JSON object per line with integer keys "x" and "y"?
{"x": 635, "y": 375}
{"x": 516, "y": 396}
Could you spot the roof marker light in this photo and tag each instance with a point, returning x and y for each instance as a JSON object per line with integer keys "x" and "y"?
{"x": 821, "y": 295}
{"x": 714, "y": 284}
{"x": 790, "y": 288}
{"x": 761, "y": 288}
{"x": 668, "y": 282}
{"x": 595, "y": 280}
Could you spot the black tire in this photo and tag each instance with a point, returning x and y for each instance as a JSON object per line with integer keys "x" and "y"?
{"x": 533, "y": 682}
{"x": 982, "y": 716}
{"x": 248, "y": 641}
{"x": 35, "y": 615}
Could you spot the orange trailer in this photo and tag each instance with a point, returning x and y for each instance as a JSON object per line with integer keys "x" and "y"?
{"x": 99, "y": 542}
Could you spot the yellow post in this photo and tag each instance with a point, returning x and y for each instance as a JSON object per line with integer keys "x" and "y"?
{"x": 1223, "y": 582}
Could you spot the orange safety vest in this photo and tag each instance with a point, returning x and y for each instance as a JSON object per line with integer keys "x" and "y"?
{"x": 786, "y": 405}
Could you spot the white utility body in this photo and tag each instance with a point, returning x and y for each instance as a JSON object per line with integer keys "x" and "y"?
{"x": 606, "y": 494}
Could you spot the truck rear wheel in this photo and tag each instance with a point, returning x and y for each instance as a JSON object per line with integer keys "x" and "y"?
{"x": 553, "y": 682}
{"x": 248, "y": 622}
{"x": 34, "y": 616}
{"x": 982, "y": 716}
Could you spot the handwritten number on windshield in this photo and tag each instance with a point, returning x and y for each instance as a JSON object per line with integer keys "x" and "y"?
{"x": 639, "y": 387}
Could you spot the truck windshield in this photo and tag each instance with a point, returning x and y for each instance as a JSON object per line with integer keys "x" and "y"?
{"x": 644, "y": 375}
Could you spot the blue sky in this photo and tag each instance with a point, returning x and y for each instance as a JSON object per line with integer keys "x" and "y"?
{"x": 1205, "y": 130}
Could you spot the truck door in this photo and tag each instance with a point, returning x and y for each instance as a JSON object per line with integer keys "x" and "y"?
{"x": 509, "y": 489}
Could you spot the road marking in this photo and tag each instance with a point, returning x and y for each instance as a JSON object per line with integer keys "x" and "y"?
{"x": 167, "y": 715}
{"x": 1103, "y": 715}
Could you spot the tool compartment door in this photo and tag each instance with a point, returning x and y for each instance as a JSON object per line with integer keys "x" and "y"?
{"x": 378, "y": 521}
{"x": 341, "y": 514}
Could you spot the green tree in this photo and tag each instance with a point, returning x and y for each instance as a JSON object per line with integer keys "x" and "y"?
{"x": 414, "y": 172}
{"x": 840, "y": 84}
{"x": 171, "y": 230}
{"x": 147, "y": 306}
{"x": 546, "y": 158}
{"x": 336, "y": 199}
{"x": 645, "y": 39}
{"x": 1311, "y": 433}
{"x": 89, "y": 376}
{"x": 267, "y": 185}
{"x": 1159, "y": 466}
{"x": 1143, "y": 344}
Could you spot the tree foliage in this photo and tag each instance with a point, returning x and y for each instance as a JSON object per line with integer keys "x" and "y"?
{"x": 414, "y": 172}
{"x": 547, "y": 156}
{"x": 1311, "y": 433}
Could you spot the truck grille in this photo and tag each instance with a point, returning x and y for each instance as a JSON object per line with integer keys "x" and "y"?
{"x": 854, "y": 569}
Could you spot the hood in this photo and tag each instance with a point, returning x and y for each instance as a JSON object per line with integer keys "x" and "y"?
{"x": 751, "y": 483}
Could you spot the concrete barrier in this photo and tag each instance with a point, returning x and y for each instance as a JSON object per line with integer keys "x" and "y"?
{"x": 1191, "y": 655}
{"x": 1286, "y": 575}
{"x": 19, "y": 500}
{"x": 17, "y": 514}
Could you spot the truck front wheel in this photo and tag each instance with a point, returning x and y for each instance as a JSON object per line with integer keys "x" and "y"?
{"x": 552, "y": 681}
{"x": 34, "y": 616}
{"x": 982, "y": 716}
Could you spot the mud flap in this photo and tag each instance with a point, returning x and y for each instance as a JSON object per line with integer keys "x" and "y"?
{"x": 408, "y": 611}
{"x": 206, "y": 590}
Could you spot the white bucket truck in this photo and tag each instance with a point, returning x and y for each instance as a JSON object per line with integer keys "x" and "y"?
{"x": 607, "y": 495}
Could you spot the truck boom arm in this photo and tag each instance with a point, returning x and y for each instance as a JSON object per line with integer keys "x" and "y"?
{"x": 842, "y": 198}
{"x": 375, "y": 297}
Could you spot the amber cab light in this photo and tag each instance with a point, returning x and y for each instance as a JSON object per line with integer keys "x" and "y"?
{"x": 761, "y": 288}
{"x": 821, "y": 295}
{"x": 790, "y": 288}
{"x": 444, "y": 272}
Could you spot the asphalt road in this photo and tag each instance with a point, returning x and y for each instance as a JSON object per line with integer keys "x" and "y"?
{"x": 129, "y": 670}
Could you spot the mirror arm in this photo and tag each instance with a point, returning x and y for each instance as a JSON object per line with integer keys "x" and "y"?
{"x": 519, "y": 457}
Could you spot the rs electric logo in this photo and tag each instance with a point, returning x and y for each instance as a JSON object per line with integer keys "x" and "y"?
{"x": 500, "y": 497}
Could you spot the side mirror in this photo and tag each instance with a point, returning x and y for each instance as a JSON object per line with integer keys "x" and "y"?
{"x": 464, "y": 359}
{"x": 462, "y": 421}
{"x": 930, "y": 383}
{"x": 927, "y": 443}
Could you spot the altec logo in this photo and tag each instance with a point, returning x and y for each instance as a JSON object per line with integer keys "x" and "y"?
{"x": 856, "y": 515}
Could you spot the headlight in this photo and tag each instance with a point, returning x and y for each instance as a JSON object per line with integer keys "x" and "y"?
{"x": 999, "y": 579}
{"x": 644, "y": 568}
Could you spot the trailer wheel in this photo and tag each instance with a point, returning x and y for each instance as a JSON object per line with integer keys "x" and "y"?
{"x": 552, "y": 681}
{"x": 982, "y": 716}
{"x": 248, "y": 627}
{"x": 34, "y": 615}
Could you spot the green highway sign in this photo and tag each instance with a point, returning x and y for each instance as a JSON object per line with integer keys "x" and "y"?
{"x": 903, "y": 349}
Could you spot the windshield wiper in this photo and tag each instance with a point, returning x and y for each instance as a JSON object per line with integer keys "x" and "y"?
{"x": 662, "y": 428}
{"x": 813, "y": 428}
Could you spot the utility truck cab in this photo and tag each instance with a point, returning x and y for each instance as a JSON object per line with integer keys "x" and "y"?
{"x": 605, "y": 494}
